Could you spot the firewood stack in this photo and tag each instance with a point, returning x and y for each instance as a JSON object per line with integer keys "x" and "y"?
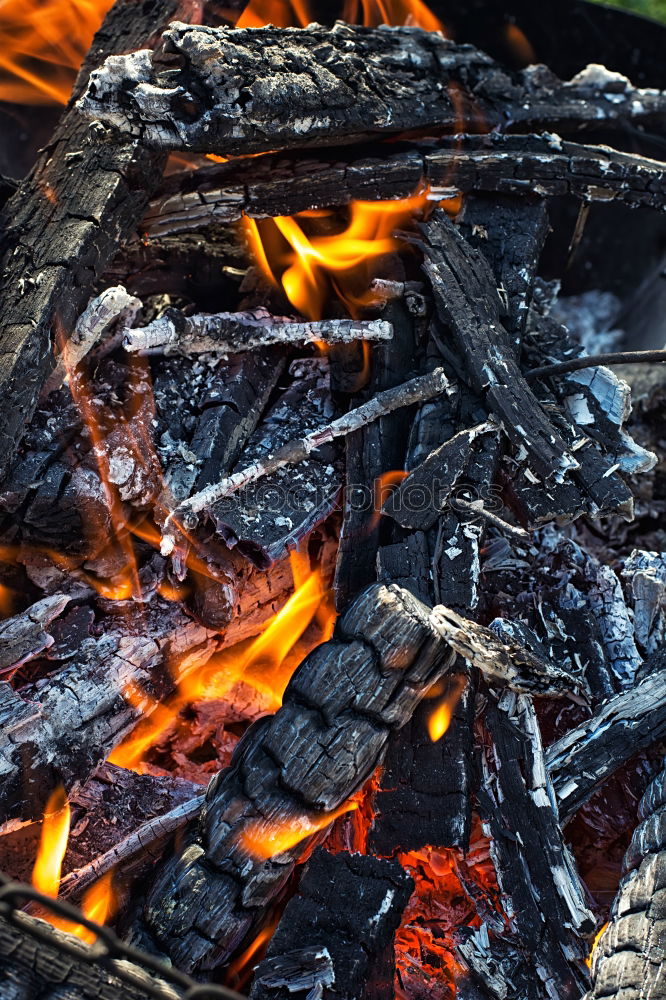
{"x": 222, "y": 430}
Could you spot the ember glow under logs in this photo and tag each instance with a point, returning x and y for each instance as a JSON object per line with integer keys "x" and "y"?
{"x": 332, "y": 569}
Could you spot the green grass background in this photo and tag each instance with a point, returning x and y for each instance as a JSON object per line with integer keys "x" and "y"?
{"x": 650, "y": 8}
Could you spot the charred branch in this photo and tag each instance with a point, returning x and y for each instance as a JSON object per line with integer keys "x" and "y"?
{"x": 233, "y": 333}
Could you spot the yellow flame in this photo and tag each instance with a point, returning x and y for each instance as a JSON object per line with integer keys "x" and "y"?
{"x": 52, "y": 843}
{"x": 265, "y": 840}
{"x": 440, "y": 719}
{"x": 302, "y": 255}
{"x": 42, "y": 45}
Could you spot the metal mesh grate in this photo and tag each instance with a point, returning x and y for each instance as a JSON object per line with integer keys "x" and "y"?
{"x": 127, "y": 964}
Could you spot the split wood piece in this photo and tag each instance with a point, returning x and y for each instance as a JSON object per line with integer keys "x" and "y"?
{"x": 595, "y": 401}
{"x": 223, "y": 417}
{"x": 414, "y": 391}
{"x": 65, "y": 223}
{"x": 645, "y": 576}
{"x": 113, "y": 306}
{"x": 293, "y": 772}
{"x": 239, "y": 90}
{"x": 510, "y": 231}
{"x": 605, "y": 598}
{"x": 514, "y": 659}
{"x": 467, "y": 300}
{"x": 31, "y": 968}
{"x": 425, "y": 785}
{"x": 337, "y": 931}
{"x": 232, "y": 333}
{"x": 371, "y": 452}
{"x": 418, "y": 501}
{"x": 622, "y": 726}
{"x": 542, "y": 894}
{"x": 62, "y": 727}
{"x": 283, "y": 184}
{"x": 628, "y": 958}
{"x": 26, "y": 635}
{"x": 266, "y": 519}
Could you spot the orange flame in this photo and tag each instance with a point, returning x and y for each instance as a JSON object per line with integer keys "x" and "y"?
{"x": 308, "y": 260}
{"x": 99, "y": 904}
{"x": 264, "y": 664}
{"x": 440, "y": 719}
{"x": 240, "y": 969}
{"x": 52, "y": 843}
{"x": 372, "y": 13}
{"x": 99, "y": 901}
{"x": 6, "y": 601}
{"x": 42, "y": 45}
{"x": 264, "y": 840}
{"x": 292, "y": 14}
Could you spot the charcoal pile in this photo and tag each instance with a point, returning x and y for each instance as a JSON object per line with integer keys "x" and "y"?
{"x": 332, "y": 563}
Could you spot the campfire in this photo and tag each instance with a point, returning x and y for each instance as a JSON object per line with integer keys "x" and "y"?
{"x": 332, "y": 572}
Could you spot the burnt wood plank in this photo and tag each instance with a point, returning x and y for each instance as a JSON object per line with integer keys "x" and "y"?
{"x": 293, "y": 87}
{"x": 283, "y": 184}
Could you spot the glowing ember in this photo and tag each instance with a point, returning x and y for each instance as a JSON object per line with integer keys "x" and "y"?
{"x": 266, "y": 840}
{"x": 375, "y": 12}
{"x": 52, "y": 843}
{"x": 440, "y": 719}
{"x": 42, "y": 45}
{"x": 310, "y": 260}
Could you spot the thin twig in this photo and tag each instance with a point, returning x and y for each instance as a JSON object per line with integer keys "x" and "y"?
{"x": 417, "y": 390}
{"x": 476, "y": 507}
{"x": 231, "y": 333}
{"x": 593, "y": 361}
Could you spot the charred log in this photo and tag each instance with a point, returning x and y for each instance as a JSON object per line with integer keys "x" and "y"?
{"x": 542, "y": 893}
{"x": 336, "y": 82}
{"x": 426, "y": 786}
{"x": 336, "y": 931}
{"x": 63, "y": 226}
{"x": 295, "y": 769}
{"x": 628, "y": 958}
